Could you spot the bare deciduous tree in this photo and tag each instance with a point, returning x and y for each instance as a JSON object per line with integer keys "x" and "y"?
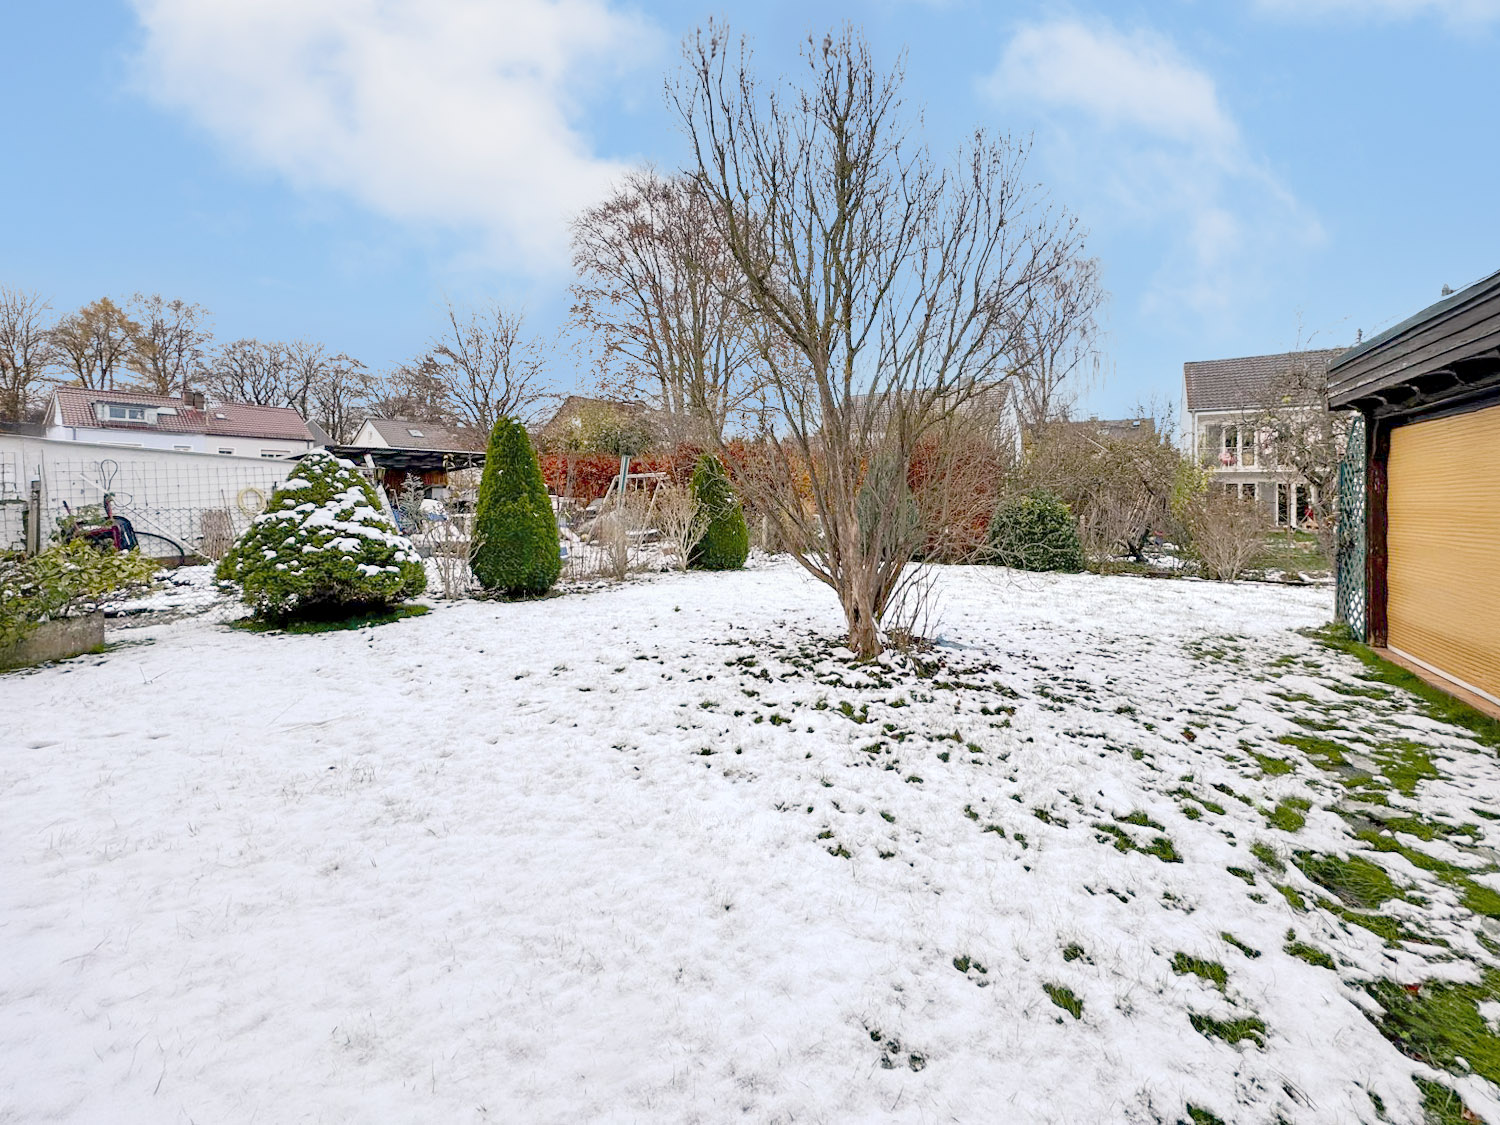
{"x": 251, "y": 371}
{"x": 659, "y": 287}
{"x": 490, "y": 367}
{"x": 95, "y": 343}
{"x": 169, "y": 348}
{"x": 680, "y": 519}
{"x": 1057, "y": 342}
{"x": 27, "y": 353}
{"x": 340, "y": 396}
{"x": 884, "y": 291}
{"x": 415, "y": 392}
{"x": 1302, "y": 441}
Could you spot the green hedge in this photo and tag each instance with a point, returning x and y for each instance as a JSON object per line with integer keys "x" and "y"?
{"x": 62, "y": 580}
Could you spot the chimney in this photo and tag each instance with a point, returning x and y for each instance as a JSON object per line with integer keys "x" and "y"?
{"x": 193, "y": 400}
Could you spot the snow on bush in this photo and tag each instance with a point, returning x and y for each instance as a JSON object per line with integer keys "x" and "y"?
{"x": 1035, "y": 532}
{"x": 726, "y": 540}
{"x": 518, "y": 553}
{"x": 322, "y": 548}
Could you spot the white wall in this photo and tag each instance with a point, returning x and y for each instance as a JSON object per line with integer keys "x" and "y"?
{"x": 160, "y": 490}
{"x": 196, "y": 443}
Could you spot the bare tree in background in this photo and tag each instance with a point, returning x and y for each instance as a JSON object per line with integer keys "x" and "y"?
{"x": 253, "y": 372}
{"x": 490, "y": 367}
{"x": 1057, "y": 336}
{"x": 95, "y": 343}
{"x": 168, "y": 351}
{"x": 339, "y": 396}
{"x": 1303, "y": 441}
{"x": 885, "y": 292}
{"x": 27, "y": 353}
{"x": 659, "y": 287}
{"x": 415, "y": 392}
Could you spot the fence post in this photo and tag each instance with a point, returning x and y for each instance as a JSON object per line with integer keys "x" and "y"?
{"x": 34, "y": 519}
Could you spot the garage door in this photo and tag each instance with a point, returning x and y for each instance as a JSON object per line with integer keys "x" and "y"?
{"x": 1443, "y": 570}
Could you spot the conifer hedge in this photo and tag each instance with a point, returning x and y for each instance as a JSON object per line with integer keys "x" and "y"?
{"x": 725, "y": 543}
{"x": 517, "y": 552}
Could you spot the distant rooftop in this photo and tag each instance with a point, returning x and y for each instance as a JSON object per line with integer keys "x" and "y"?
{"x": 1245, "y": 383}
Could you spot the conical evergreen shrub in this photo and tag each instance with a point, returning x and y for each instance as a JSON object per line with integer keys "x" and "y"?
{"x": 1035, "y": 532}
{"x": 322, "y": 548}
{"x": 518, "y": 552}
{"x": 725, "y": 543}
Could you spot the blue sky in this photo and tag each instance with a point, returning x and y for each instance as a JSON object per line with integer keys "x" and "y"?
{"x": 1255, "y": 174}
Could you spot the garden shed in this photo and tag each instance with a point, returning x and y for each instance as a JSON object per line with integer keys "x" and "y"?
{"x": 1429, "y": 393}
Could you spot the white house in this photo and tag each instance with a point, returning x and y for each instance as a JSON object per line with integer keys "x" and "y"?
{"x": 135, "y": 419}
{"x": 396, "y": 433}
{"x": 1225, "y": 401}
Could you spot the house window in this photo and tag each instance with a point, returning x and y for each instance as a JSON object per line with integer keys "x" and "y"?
{"x": 414, "y": 433}
{"x": 228, "y": 452}
{"x": 275, "y": 452}
{"x": 1247, "y": 492}
{"x": 125, "y": 413}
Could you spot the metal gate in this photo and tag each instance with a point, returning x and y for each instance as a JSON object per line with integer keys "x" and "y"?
{"x": 1350, "y": 549}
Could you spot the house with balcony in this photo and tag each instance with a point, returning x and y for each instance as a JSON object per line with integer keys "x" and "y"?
{"x": 1226, "y": 403}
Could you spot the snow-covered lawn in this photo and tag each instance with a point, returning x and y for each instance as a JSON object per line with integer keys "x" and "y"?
{"x": 658, "y": 853}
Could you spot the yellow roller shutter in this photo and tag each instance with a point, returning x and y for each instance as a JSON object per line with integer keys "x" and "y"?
{"x": 1443, "y": 537}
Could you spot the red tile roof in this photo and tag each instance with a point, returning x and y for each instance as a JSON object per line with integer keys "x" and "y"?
{"x": 229, "y": 419}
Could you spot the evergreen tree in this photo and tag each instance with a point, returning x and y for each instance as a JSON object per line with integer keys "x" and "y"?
{"x": 518, "y": 552}
{"x": 323, "y": 548}
{"x": 725, "y": 543}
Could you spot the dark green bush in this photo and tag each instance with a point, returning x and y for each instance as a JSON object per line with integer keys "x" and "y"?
{"x": 64, "y": 579}
{"x": 322, "y": 549}
{"x": 725, "y": 543}
{"x": 518, "y": 552}
{"x": 1035, "y": 532}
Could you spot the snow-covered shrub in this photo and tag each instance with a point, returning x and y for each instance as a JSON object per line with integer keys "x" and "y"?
{"x": 518, "y": 552}
{"x": 725, "y": 543}
{"x": 62, "y": 580}
{"x": 1035, "y": 532}
{"x": 322, "y": 548}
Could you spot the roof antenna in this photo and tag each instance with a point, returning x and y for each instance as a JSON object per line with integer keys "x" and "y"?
{"x": 1359, "y": 335}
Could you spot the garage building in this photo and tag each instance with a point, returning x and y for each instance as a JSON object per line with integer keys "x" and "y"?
{"x": 1429, "y": 392}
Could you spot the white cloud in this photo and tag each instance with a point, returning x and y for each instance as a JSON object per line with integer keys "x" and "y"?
{"x": 1141, "y": 136}
{"x": 1461, "y": 13}
{"x": 448, "y": 113}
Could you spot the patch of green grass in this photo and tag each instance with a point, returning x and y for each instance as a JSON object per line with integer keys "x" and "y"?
{"x": 1064, "y": 998}
{"x": 1441, "y": 1106}
{"x": 1305, "y": 952}
{"x": 1355, "y": 881}
{"x": 1241, "y": 946}
{"x": 1439, "y": 1023}
{"x": 1292, "y": 895}
{"x": 1228, "y": 792}
{"x": 1231, "y": 1031}
{"x": 1405, "y": 764}
{"x": 1438, "y": 704}
{"x": 1288, "y": 814}
{"x": 1111, "y": 834}
{"x": 1139, "y": 819}
{"x": 964, "y": 963}
{"x": 1271, "y": 766}
{"x": 358, "y": 621}
{"x": 1242, "y": 873}
{"x": 1476, "y": 896}
{"x": 1163, "y": 849}
{"x": 1074, "y": 952}
{"x": 1210, "y": 971}
{"x": 1267, "y": 855}
{"x": 1200, "y": 1116}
